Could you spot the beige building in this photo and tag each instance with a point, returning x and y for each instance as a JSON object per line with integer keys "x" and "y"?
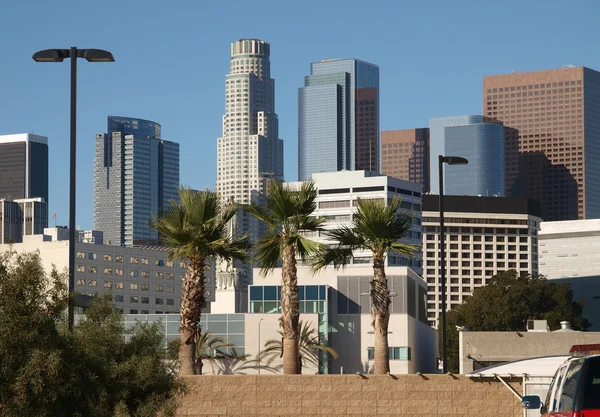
{"x": 405, "y": 155}
{"x": 483, "y": 236}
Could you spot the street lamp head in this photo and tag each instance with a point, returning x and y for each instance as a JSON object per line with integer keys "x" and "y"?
{"x": 454, "y": 160}
{"x": 96, "y": 55}
{"x": 51, "y": 55}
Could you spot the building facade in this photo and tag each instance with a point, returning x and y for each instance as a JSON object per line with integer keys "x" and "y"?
{"x": 136, "y": 173}
{"x": 142, "y": 279}
{"x": 481, "y": 141}
{"x": 23, "y": 217}
{"x": 338, "y": 118}
{"x": 405, "y": 155}
{"x": 483, "y": 236}
{"x": 555, "y": 112}
{"x": 336, "y": 203}
{"x": 569, "y": 254}
{"x": 23, "y": 166}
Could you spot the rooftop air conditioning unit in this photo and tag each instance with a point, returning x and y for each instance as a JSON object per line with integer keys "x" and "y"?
{"x": 537, "y": 326}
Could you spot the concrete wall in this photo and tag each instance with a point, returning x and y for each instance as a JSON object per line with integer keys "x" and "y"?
{"x": 348, "y": 395}
{"x": 512, "y": 346}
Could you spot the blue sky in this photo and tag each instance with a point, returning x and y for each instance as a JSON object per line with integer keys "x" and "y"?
{"x": 172, "y": 57}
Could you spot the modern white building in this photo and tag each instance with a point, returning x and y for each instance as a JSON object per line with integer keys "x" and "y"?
{"x": 569, "y": 253}
{"x": 338, "y": 193}
{"x": 483, "y": 236}
{"x": 141, "y": 279}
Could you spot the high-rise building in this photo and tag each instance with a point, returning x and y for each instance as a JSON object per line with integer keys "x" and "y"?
{"x": 136, "y": 173}
{"x": 483, "y": 236}
{"x": 249, "y": 152}
{"x": 23, "y": 166}
{"x": 405, "y": 155}
{"x": 480, "y": 140}
{"x": 23, "y": 217}
{"x": 338, "y": 118}
{"x": 556, "y": 114}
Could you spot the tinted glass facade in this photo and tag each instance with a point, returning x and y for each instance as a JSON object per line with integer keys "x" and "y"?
{"x": 135, "y": 175}
{"x": 483, "y": 146}
{"x": 405, "y": 155}
{"x": 338, "y": 118}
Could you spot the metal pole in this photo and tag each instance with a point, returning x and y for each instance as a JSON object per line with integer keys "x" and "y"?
{"x": 443, "y": 266}
{"x": 72, "y": 185}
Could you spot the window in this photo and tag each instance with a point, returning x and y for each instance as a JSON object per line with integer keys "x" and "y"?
{"x": 92, "y": 256}
{"x": 145, "y": 300}
{"x": 160, "y": 262}
{"x": 144, "y": 261}
{"x": 119, "y": 272}
{"x": 133, "y": 299}
{"x": 170, "y": 301}
{"x": 145, "y": 287}
{"x": 145, "y": 274}
{"x": 182, "y": 264}
{"x": 169, "y": 289}
{"x": 159, "y": 288}
{"x": 567, "y": 395}
{"x": 170, "y": 264}
{"x": 80, "y": 281}
{"x": 108, "y": 258}
{"x": 119, "y": 285}
{"x": 396, "y": 353}
{"x": 133, "y": 273}
{"x": 133, "y": 286}
{"x": 92, "y": 269}
{"x": 80, "y": 255}
{"x": 159, "y": 275}
{"x": 170, "y": 276}
{"x": 134, "y": 260}
{"x": 80, "y": 268}
{"x": 92, "y": 283}
{"x": 107, "y": 284}
{"x": 159, "y": 301}
{"x": 119, "y": 258}
{"x": 107, "y": 271}
{"x": 119, "y": 298}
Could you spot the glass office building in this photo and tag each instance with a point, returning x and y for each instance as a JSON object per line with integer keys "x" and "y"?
{"x": 483, "y": 146}
{"x": 338, "y": 118}
{"x": 136, "y": 173}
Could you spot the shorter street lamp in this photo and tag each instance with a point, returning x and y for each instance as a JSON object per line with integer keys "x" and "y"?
{"x": 450, "y": 160}
{"x": 59, "y": 55}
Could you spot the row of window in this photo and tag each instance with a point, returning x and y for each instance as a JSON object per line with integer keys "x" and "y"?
{"x": 401, "y": 353}
{"x": 144, "y": 300}
{"x": 121, "y": 285}
{"x": 120, "y": 272}
{"x": 477, "y": 246}
{"x": 133, "y": 259}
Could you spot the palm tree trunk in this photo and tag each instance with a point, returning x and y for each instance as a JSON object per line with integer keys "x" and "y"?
{"x": 380, "y": 313}
{"x": 289, "y": 310}
{"x": 192, "y": 302}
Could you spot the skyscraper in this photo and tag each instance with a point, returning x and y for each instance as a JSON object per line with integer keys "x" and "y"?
{"x": 338, "y": 118}
{"x": 556, "y": 114}
{"x": 136, "y": 173}
{"x": 249, "y": 152}
{"x": 405, "y": 155}
{"x": 480, "y": 140}
{"x": 23, "y": 166}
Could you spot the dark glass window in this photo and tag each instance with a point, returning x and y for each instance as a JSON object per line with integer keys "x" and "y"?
{"x": 567, "y": 396}
{"x": 322, "y": 292}
{"x": 256, "y": 293}
{"x": 300, "y": 293}
{"x": 270, "y": 293}
{"x": 591, "y": 385}
{"x": 312, "y": 292}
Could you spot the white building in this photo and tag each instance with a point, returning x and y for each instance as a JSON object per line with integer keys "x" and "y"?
{"x": 569, "y": 253}
{"x": 142, "y": 279}
{"x": 336, "y": 202}
{"x": 483, "y": 236}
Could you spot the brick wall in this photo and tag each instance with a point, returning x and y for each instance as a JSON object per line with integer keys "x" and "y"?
{"x": 348, "y": 395}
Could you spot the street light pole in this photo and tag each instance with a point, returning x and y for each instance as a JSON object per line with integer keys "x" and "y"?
{"x": 450, "y": 160}
{"x": 59, "y": 55}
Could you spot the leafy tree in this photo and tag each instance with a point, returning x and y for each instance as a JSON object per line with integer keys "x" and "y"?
{"x": 506, "y": 303}
{"x": 211, "y": 348}
{"x": 195, "y": 228}
{"x": 45, "y": 370}
{"x": 309, "y": 347}
{"x": 287, "y": 214}
{"x": 378, "y": 228}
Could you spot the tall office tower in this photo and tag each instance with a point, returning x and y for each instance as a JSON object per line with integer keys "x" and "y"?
{"x": 249, "y": 152}
{"x": 23, "y": 217}
{"x": 23, "y": 166}
{"x": 405, "y": 155}
{"x": 136, "y": 173}
{"x": 480, "y": 140}
{"x": 338, "y": 118}
{"x": 556, "y": 113}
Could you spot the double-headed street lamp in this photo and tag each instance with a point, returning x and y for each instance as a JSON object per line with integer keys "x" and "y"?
{"x": 450, "y": 160}
{"x": 58, "y": 55}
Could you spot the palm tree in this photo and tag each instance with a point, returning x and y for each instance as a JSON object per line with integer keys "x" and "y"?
{"x": 241, "y": 365}
{"x": 195, "y": 228}
{"x": 376, "y": 228}
{"x": 309, "y": 347}
{"x": 287, "y": 215}
{"x": 213, "y": 349}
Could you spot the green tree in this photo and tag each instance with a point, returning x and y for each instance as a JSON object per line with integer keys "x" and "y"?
{"x": 45, "y": 370}
{"x": 288, "y": 215}
{"x": 377, "y": 228}
{"x": 195, "y": 228}
{"x": 506, "y": 303}
{"x": 309, "y": 347}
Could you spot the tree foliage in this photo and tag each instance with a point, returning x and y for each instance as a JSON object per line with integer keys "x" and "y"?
{"x": 99, "y": 370}
{"x": 506, "y": 303}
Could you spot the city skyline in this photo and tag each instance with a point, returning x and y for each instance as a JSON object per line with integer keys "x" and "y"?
{"x": 184, "y": 90}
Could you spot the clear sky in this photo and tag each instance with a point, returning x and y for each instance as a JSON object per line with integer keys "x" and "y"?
{"x": 172, "y": 57}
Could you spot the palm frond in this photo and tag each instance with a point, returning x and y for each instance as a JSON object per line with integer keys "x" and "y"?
{"x": 267, "y": 252}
